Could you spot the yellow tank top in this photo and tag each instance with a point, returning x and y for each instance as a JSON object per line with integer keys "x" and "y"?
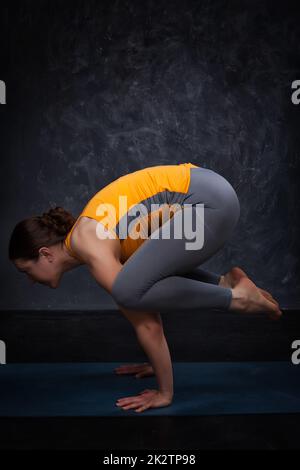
{"x": 134, "y": 212}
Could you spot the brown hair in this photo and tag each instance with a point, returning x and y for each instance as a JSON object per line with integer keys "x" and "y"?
{"x": 30, "y": 234}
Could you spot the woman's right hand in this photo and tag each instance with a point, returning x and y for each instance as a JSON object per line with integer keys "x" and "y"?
{"x": 140, "y": 370}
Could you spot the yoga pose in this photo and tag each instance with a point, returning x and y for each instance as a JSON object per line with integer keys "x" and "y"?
{"x": 137, "y": 238}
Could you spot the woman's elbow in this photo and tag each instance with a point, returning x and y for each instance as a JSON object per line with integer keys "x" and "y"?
{"x": 151, "y": 330}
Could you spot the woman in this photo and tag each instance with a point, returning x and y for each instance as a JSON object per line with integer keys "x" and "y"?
{"x": 127, "y": 235}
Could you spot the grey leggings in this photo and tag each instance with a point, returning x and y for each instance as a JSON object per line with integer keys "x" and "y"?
{"x": 162, "y": 274}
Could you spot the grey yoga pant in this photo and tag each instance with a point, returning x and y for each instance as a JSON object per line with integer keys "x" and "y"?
{"x": 162, "y": 274}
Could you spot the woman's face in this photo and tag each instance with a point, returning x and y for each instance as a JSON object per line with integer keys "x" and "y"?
{"x": 43, "y": 270}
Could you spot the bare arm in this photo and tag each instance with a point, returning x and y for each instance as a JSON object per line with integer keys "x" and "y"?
{"x": 104, "y": 265}
{"x": 150, "y": 335}
{"x": 156, "y": 347}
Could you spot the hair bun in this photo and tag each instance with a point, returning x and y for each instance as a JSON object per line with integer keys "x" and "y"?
{"x": 58, "y": 220}
{"x": 30, "y": 234}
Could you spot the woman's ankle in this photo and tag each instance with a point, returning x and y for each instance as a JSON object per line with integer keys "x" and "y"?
{"x": 238, "y": 300}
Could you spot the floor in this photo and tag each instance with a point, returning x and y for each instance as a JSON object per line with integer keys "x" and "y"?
{"x": 239, "y": 391}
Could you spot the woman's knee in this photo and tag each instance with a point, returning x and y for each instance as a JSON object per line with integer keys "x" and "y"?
{"x": 123, "y": 291}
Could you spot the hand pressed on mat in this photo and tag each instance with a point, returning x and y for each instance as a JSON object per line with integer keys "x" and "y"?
{"x": 146, "y": 399}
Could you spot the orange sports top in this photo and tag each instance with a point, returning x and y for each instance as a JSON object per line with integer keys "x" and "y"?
{"x": 116, "y": 205}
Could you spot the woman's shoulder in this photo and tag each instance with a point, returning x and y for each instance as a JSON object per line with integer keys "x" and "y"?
{"x": 90, "y": 237}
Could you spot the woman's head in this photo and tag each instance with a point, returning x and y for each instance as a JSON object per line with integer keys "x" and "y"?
{"x": 35, "y": 245}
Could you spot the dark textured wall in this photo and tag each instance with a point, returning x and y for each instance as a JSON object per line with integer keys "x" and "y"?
{"x": 96, "y": 89}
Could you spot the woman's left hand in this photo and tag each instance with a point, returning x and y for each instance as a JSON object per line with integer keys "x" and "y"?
{"x": 146, "y": 399}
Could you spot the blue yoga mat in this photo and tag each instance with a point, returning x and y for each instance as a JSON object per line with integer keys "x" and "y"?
{"x": 91, "y": 389}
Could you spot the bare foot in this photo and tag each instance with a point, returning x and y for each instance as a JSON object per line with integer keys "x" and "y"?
{"x": 233, "y": 276}
{"x": 247, "y": 298}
